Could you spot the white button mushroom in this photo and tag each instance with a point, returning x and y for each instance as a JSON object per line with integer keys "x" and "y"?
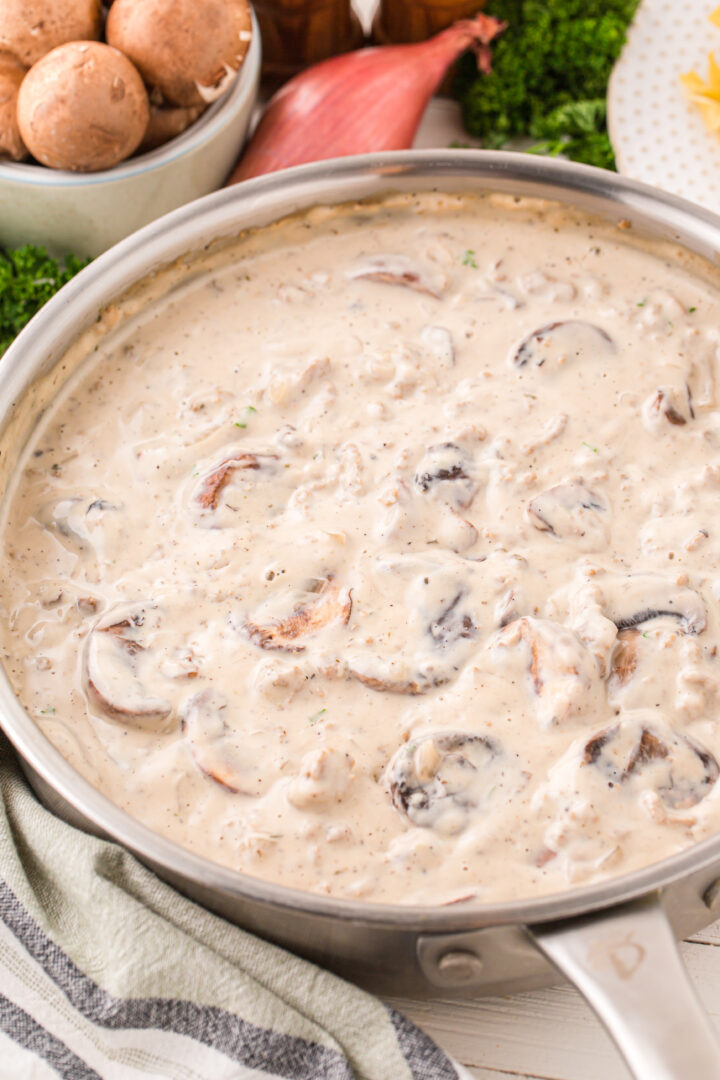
{"x": 12, "y": 73}
{"x": 189, "y": 51}
{"x": 31, "y": 28}
{"x": 82, "y": 107}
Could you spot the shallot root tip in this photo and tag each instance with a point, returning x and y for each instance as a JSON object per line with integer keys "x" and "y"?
{"x": 483, "y": 28}
{"x": 484, "y": 33}
{"x": 480, "y": 31}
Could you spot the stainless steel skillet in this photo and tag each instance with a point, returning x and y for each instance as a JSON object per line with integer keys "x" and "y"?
{"x": 615, "y": 941}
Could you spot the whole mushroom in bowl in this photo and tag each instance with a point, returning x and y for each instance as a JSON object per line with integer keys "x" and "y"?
{"x": 12, "y": 73}
{"x": 83, "y": 107}
{"x": 29, "y": 29}
{"x": 186, "y": 51}
{"x": 90, "y": 151}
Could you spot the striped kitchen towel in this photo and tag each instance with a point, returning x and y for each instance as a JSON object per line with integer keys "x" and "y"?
{"x": 106, "y": 972}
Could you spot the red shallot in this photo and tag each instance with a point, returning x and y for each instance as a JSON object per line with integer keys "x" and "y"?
{"x": 371, "y": 99}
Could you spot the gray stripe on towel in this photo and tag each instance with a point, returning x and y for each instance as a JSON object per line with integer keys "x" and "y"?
{"x": 425, "y": 1059}
{"x": 241, "y": 1041}
{"x": 26, "y": 1032}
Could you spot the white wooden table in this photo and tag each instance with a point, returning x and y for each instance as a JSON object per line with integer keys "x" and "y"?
{"x": 547, "y": 1034}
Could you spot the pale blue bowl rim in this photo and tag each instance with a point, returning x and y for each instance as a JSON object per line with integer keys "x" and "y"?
{"x": 218, "y": 116}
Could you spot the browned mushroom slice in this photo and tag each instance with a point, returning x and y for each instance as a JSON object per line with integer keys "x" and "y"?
{"x": 508, "y": 609}
{"x": 559, "y": 342}
{"x": 395, "y": 676}
{"x": 572, "y": 510}
{"x": 436, "y": 659}
{"x": 446, "y": 472}
{"x": 422, "y": 627}
{"x": 665, "y": 405}
{"x": 452, "y": 623}
{"x": 120, "y": 668}
{"x": 396, "y": 270}
{"x": 652, "y": 665}
{"x": 332, "y": 604}
{"x": 638, "y": 598}
{"x": 515, "y": 586}
{"x": 210, "y": 743}
{"x": 563, "y": 673}
{"x": 211, "y": 486}
{"x": 439, "y": 780}
{"x": 625, "y": 657}
{"x": 647, "y": 754}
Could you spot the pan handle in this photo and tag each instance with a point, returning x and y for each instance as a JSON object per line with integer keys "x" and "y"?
{"x": 626, "y": 964}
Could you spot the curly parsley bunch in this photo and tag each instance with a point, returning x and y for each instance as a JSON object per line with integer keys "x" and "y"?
{"x": 549, "y": 78}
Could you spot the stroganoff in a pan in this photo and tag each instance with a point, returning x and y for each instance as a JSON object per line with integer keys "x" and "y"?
{"x": 381, "y": 559}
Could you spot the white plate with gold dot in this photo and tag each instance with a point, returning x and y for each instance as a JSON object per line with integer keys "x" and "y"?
{"x": 657, "y": 134}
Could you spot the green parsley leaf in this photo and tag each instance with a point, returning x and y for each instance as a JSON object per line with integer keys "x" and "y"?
{"x": 28, "y": 279}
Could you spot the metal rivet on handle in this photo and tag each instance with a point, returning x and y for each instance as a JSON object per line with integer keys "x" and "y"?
{"x": 459, "y": 968}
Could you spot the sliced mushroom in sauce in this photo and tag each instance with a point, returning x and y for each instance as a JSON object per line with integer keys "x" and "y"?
{"x": 81, "y": 520}
{"x": 121, "y": 667}
{"x": 438, "y": 628}
{"x": 643, "y": 752}
{"x": 624, "y": 658}
{"x": 452, "y": 623}
{"x": 397, "y": 270}
{"x": 394, "y": 675}
{"x": 329, "y": 604}
{"x": 209, "y": 489}
{"x": 440, "y": 780}
{"x": 212, "y": 746}
{"x": 445, "y": 472}
{"x": 668, "y": 405}
{"x": 562, "y": 674}
{"x": 557, "y": 343}
{"x": 572, "y": 511}
{"x": 635, "y": 599}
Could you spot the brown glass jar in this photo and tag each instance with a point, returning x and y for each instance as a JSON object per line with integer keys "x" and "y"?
{"x": 298, "y": 33}
{"x": 402, "y": 21}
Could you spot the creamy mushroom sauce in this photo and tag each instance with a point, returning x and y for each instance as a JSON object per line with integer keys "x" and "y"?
{"x": 381, "y": 558}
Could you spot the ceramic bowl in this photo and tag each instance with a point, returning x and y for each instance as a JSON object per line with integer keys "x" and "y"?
{"x": 87, "y": 213}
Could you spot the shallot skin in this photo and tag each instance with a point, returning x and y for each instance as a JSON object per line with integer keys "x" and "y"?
{"x": 363, "y": 101}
